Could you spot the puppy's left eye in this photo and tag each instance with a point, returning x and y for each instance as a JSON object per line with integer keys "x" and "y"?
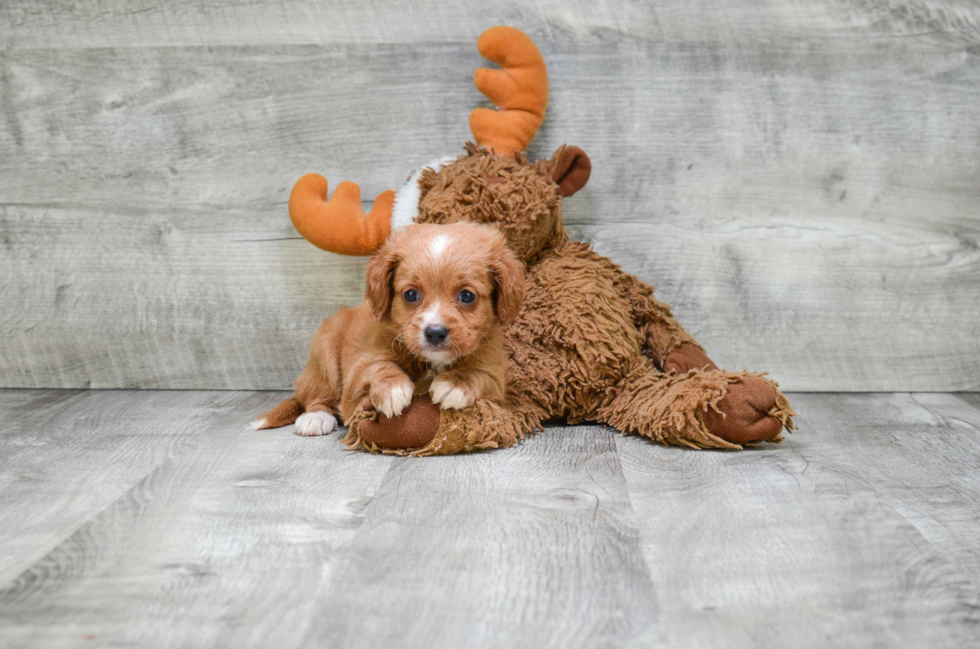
{"x": 466, "y": 297}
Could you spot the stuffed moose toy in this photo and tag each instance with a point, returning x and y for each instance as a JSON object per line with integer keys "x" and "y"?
{"x": 591, "y": 342}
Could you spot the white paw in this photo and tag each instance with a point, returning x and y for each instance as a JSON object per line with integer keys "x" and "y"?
{"x": 393, "y": 402}
{"x": 257, "y": 424}
{"x": 311, "y": 424}
{"x": 449, "y": 396}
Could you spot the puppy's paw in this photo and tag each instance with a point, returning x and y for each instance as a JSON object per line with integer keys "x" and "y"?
{"x": 451, "y": 396}
{"x": 392, "y": 396}
{"x": 312, "y": 424}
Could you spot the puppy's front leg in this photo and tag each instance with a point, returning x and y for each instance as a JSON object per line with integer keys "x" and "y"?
{"x": 458, "y": 389}
{"x": 390, "y": 389}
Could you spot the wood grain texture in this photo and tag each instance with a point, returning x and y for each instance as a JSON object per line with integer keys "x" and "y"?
{"x": 167, "y": 524}
{"x": 527, "y": 547}
{"x": 140, "y": 23}
{"x": 220, "y": 546}
{"x": 57, "y": 448}
{"x": 799, "y": 181}
{"x": 857, "y": 531}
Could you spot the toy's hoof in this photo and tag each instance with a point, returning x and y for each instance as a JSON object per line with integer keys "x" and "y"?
{"x": 745, "y": 406}
{"x": 414, "y": 428}
{"x": 687, "y": 357}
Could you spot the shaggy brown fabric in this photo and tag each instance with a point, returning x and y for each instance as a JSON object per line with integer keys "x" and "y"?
{"x": 414, "y": 429}
{"x": 591, "y": 342}
{"x": 508, "y": 193}
{"x": 484, "y": 426}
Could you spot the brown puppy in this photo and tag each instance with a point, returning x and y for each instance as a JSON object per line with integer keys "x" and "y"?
{"x": 437, "y": 296}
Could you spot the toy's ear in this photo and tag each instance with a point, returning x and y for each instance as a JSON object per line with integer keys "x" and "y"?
{"x": 381, "y": 280}
{"x": 571, "y": 169}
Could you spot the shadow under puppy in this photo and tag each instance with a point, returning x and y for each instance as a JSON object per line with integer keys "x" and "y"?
{"x": 437, "y": 297}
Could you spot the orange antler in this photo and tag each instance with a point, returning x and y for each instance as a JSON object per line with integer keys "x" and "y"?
{"x": 519, "y": 90}
{"x": 340, "y": 224}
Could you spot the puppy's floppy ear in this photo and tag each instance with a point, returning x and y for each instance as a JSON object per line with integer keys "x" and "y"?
{"x": 381, "y": 280}
{"x": 507, "y": 274}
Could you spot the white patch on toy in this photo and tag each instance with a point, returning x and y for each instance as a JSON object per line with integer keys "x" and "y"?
{"x": 406, "y": 206}
{"x": 312, "y": 424}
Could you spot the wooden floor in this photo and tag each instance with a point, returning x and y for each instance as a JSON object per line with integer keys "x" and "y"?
{"x": 155, "y": 519}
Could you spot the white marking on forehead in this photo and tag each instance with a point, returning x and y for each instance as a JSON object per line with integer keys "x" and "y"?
{"x": 431, "y": 316}
{"x": 439, "y": 244}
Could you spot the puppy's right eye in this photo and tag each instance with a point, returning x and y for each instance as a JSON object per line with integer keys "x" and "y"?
{"x": 411, "y": 295}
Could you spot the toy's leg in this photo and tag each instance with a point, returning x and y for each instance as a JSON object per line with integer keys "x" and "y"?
{"x": 686, "y": 409}
{"x": 414, "y": 428}
{"x": 752, "y": 408}
{"x": 425, "y": 429}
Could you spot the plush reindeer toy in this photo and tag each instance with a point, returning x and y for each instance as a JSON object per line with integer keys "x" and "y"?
{"x": 591, "y": 342}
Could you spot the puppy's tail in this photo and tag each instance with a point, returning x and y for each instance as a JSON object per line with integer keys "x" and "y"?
{"x": 282, "y": 415}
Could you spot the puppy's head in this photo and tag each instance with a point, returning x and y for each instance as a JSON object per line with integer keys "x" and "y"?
{"x": 445, "y": 287}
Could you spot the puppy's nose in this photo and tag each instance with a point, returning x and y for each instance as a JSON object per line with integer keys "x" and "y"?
{"x": 435, "y": 335}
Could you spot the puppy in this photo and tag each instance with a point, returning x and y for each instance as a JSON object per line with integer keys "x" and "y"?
{"x": 437, "y": 296}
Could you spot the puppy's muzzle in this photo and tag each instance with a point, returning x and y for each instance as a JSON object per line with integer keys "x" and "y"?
{"x": 435, "y": 335}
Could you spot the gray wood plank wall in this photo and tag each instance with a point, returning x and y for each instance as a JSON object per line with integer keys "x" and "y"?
{"x": 801, "y": 180}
